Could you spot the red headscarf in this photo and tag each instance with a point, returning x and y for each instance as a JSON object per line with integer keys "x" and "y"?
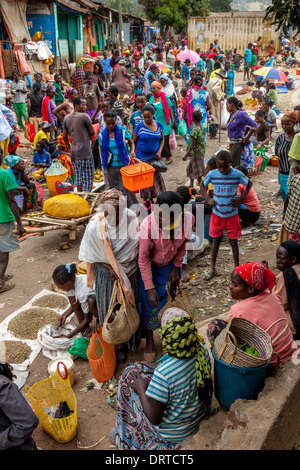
{"x": 257, "y": 275}
{"x": 163, "y": 100}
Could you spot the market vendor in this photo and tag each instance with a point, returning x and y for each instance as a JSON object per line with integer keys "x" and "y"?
{"x": 25, "y": 187}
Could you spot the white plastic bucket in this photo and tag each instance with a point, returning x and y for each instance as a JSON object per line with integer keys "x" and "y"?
{"x": 52, "y": 367}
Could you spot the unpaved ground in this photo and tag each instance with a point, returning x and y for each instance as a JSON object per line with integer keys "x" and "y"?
{"x": 34, "y": 263}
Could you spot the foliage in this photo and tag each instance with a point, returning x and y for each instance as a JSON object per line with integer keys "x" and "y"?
{"x": 220, "y": 5}
{"x": 128, "y": 6}
{"x": 286, "y": 15}
{"x": 174, "y": 12}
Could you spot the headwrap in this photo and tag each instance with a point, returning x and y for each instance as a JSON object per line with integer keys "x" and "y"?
{"x": 164, "y": 101}
{"x": 292, "y": 116}
{"x": 180, "y": 339}
{"x": 68, "y": 268}
{"x": 121, "y": 62}
{"x": 153, "y": 67}
{"x": 68, "y": 92}
{"x": 45, "y": 124}
{"x": 11, "y": 160}
{"x": 119, "y": 139}
{"x": 113, "y": 197}
{"x": 169, "y": 89}
{"x": 13, "y": 145}
{"x": 292, "y": 285}
{"x": 196, "y": 85}
{"x": 257, "y": 276}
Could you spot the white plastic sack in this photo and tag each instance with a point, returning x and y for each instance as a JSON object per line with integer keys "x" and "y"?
{"x": 224, "y": 115}
{"x": 43, "y": 51}
{"x": 52, "y": 345}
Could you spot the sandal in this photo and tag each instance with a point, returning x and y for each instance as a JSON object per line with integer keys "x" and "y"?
{"x": 6, "y": 287}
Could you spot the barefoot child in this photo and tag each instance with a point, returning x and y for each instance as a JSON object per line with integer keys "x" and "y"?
{"x": 82, "y": 299}
{"x": 196, "y": 149}
{"x": 225, "y": 202}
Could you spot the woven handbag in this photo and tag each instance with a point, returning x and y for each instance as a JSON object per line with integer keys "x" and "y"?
{"x": 122, "y": 319}
{"x": 240, "y": 331}
{"x": 180, "y": 298}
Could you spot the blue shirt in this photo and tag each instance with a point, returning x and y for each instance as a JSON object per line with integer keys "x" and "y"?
{"x": 225, "y": 190}
{"x": 248, "y": 55}
{"x": 113, "y": 149}
{"x": 45, "y": 158}
{"x": 136, "y": 118}
{"x": 148, "y": 141}
{"x": 201, "y": 65}
{"x": 106, "y": 65}
{"x": 185, "y": 72}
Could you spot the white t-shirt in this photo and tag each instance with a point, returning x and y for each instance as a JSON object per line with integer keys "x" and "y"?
{"x": 81, "y": 292}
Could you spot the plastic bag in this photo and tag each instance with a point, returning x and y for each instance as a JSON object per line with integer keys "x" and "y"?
{"x": 29, "y": 131}
{"x": 182, "y": 128}
{"x": 224, "y": 115}
{"x": 79, "y": 347}
{"x": 172, "y": 141}
{"x": 40, "y": 193}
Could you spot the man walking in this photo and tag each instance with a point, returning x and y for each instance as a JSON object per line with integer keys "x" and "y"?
{"x": 19, "y": 102}
{"x": 106, "y": 69}
{"x": 78, "y": 126}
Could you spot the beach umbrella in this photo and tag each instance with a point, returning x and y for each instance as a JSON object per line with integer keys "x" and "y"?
{"x": 285, "y": 41}
{"x": 164, "y": 67}
{"x": 272, "y": 73}
{"x": 187, "y": 54}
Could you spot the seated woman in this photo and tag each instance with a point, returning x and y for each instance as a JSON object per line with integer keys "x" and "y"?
{"x": 27, "y": 189}
{"x": 64, "y": 155}
{"x": 288, "y": 283}
{"x": 110, "y": 247}
{"x": 249, "y": 284}
{"x": 164, "y": 235}
{"x": 259, "y": 91}
{"x": 82, "y": 299}
{"x": 159, "y": 406}
{"x": 249, "y": 211}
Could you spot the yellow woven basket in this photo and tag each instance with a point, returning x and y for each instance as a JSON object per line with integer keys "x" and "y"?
{"x": 51, "y": 392}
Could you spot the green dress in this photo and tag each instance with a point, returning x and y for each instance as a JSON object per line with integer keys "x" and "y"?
{"x": 196, "y": 168}
{"x": 160, "y": 115}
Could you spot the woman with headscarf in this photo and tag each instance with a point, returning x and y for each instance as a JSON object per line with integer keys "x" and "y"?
{"x": 121, "y": 79}
{"x": 197, "y": 99}
{"x": 25, "y": 188}
{"x": 77, "y": 79}
{"x": 48, "y": 106}
{"x": 113, "y": 141}
{"x": 151, "y": 75}
{"x": 98, "y": 75}
{"x": 64, "y": 155}
{"x": 252, "y": 284}
{"x": 288, "y": 283}
{"x": 159, "y": 406}
{"x": 169, "y": 90}
{"x": 110, "y": 247}
{"x": 282, "y": 147}
{"x": 163, "y": 114}
{"x": 164, "y": 234}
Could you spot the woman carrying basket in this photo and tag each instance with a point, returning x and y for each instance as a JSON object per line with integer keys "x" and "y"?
{"x": 252, "y": 284}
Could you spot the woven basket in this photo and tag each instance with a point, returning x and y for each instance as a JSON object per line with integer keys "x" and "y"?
{"x": 240, "y": 331}
{"x": 179, "y": 299}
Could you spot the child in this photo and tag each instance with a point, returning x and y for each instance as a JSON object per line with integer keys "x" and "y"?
{"x": 225, "y": 202}
{"x": 262, "y": 133}
{"x": 40, "y": 156}
{"x": 82, "y": 299}
{"x": 249, "y": 211}
{"x": 136, "y": 116}
{"x": 139, "y": 83}
{"x": 196, "y": 149}
{"x": 185, "y": 73}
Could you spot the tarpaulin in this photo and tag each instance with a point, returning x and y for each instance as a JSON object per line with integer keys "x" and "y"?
{"x": 14, "y": 18}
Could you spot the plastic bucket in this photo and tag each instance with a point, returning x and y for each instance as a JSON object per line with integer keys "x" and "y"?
{"x": 52, "y": 367}
{"x": 233, "y": 382}
{"x": 137, "y": 176}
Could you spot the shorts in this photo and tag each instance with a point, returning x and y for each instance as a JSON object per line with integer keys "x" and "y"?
{"x": 230, "y": 224}
{"x": 8, "y": 241}
{"x": 84, "y": 173}
{"x": 248, "y": 65}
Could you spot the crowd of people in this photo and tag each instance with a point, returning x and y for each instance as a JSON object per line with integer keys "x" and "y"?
{"x": 134, "y": 106}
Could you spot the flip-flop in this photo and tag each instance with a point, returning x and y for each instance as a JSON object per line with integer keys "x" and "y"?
{"x": 6, "y": 287}
{"x": 8, "y": 277}
{"x": 169, "y": 163}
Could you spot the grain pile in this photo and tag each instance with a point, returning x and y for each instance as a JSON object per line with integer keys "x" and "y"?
{"x": 52, "y": 301}
{"x": 28, "y": 322}
{"x": 14, "y": 352}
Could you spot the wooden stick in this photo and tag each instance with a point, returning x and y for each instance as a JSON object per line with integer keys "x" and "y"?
{"x": 44, "y": 229}
{"x": 45, "y": 220}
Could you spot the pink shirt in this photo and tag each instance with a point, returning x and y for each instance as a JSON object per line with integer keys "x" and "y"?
{"x": 251, "y": 200}
{"x": 263, "y": 310}
{"x": 156, "y": 248}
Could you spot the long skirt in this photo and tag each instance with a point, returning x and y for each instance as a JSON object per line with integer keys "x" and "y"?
{"x": 66, "y": 161}
{"x": 149, "y": 318}
{"x": 114, "y": 179}
{"x": 196, "y": 168}
{"x": 166, "y": 151}
{"x": 236, "y": 151}
{"x": 103, "y": 293}
{"x": 133, "y": 429}
{"x": 173, "y": 99}
{"x": 157, "y": 188}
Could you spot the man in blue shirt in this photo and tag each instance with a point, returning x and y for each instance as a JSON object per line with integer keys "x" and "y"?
{"x": 106, "y": 69}
{"x": 248, "y": 60}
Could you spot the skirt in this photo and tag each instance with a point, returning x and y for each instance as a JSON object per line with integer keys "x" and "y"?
{"x": 133, "y": 429}
{"x": 149, "y": 318}
{"x": 103, "y": 293}
{"x": 195, "y": 168}
{"x": 166, "y": 151}
{"x": 157, "y": 188}
{"x": 8, "y": 240}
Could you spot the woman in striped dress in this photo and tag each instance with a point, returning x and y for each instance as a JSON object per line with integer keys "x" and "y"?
{"x": 282, "y": 147}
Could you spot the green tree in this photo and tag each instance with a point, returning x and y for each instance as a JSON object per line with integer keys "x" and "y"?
{"x": 220, "y": 5}
{"x": 286, "y": 15}
{"x": 174, "y": 12}
{"x": 128, "y": 6}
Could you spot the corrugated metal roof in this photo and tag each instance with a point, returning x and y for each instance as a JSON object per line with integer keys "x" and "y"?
{"x": 72, "y": 5}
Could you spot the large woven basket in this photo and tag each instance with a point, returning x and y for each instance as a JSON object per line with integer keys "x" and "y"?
{"x": 240, "y": 331}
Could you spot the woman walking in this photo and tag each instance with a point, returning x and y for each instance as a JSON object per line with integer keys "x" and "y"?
{"x": 282, "y": 147}
{"x": 91, "y": 94}
{"x": 163, "y": 114}
{"x": 121, "y": 79}
{"x": 148, "y": 138}
{"x": 169, "y": 90}
{"x": 197, "y": 99}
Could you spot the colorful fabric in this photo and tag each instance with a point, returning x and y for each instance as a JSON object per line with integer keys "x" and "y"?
{"x": 11, "y": 160}
{"x": 292, "y": 216}
{"x": 114, "y": 151}
{"x": 77, "y": 81}
{"x": 157, "y": 188}
{"x": 165, "y": 104}
{"x": 148, "y": 140}
{"x": 257, "y": 276}
{"x": 160, "y": 113}
{"x": 294, "y": 237}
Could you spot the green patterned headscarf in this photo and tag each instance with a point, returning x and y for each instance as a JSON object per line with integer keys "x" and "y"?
{"x": 180, "y": 339}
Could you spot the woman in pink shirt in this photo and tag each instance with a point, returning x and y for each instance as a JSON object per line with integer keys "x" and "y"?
{"x": 164, "y": 235}
{"x": 249, "y": 284}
